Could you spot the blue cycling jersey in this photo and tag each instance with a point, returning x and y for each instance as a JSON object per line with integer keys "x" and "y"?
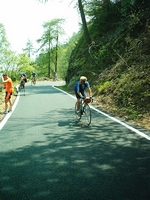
{"x": 81, "y": 88}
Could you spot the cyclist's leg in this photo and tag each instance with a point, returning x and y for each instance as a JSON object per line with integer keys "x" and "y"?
{"x": 34, "y": 80}
{"x": 77, "y": 112}
{"x": 20, "y": 86}
{"x": 23, "y": 86}
{"x": 78, "y": 101}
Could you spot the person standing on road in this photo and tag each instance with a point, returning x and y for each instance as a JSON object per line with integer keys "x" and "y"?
{"x": 54, "y": 75}
{"x": 81, "y": 87}
{"x": 8, "y": 85}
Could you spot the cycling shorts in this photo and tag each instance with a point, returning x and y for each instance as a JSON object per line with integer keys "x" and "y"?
{"x": 8, "y": 95}
{"x": 78, "y": 96}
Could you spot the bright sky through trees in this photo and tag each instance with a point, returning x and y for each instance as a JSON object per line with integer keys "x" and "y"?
{"x": 23, "y": 19}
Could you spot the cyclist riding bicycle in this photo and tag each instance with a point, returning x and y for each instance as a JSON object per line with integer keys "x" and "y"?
{"x": 33, "y": 77}
{"x": 81, "y": 88}
{"x": 23, "y": 80}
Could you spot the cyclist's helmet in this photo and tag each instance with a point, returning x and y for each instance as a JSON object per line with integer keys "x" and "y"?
{"x": 83, "y": 78}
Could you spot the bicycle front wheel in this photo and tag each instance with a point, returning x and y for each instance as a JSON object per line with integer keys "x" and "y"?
{"x": 77, "y": 113}
{"x": 87, "y": 113}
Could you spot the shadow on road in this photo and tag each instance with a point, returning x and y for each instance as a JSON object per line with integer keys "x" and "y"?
{"x": 82, "y": 163}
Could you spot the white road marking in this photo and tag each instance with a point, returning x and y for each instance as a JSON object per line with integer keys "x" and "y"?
{"x": 114, "y": 119}
{"x": 3, "y": 122}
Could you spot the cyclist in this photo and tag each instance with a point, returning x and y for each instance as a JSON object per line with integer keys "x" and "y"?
{"x": 23, "y": 80}
{"x": 81, "y": 87}
{"x": 8, "y": 85}
{"x": 33, "y": 77}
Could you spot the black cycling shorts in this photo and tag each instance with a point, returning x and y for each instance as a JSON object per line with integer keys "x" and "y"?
{"x": 8, "y": 95}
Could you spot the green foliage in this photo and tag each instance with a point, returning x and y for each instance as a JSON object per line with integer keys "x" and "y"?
{"x": 4, "y": 47}
{"x": 29, "y": 50}
{"x": 103, "y": 86}
{"x": 49, "y": 43}
{"x": 117, "y": 63}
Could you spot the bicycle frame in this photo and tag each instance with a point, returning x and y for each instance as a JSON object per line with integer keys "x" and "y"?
{"x": 84, "y": 110}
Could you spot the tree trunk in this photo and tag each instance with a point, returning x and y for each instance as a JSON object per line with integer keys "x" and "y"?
{"x": 86, "y": 32}
{"x": 56, "y": 53}
{"x": 49, "y": 58}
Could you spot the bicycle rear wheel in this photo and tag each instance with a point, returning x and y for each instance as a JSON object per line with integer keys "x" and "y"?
{"x": 77, "y": 114}
{"x": 87, "y": 113}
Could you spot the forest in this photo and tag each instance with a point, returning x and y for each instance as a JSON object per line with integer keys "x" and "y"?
{"x": 112, "y": 48}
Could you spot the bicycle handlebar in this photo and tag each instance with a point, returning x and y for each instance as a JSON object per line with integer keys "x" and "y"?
{"x": 83, "y": 98}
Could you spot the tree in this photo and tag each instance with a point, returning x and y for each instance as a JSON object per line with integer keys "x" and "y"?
{"x": 86, "y": 32}
{"x": 84, "y": 23}
{"x": 4, "y": 45}
{"x": 29, "y": 49}
{"x": 24, "y": 64}
{"x": 49, "y": 40}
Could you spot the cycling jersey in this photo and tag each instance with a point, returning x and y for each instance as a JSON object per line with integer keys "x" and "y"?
{"x": 8, "y": 86}
{"x": 33, "y": 74}
{"x": 81, "y": 88}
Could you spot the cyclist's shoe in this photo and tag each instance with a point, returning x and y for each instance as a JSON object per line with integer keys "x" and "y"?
{"x": 9, "y": 110}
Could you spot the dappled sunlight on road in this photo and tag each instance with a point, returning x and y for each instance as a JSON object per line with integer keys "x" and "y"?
{"x": 51, "y": 156}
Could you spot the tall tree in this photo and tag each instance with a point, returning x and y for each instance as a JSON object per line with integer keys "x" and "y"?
{"x": 4, "y": 44}
{"x": 86, "y": 32}
{"x": 28, "y": 49}
{"x": 49, "y": 39}
{"x": 84, "y": 23}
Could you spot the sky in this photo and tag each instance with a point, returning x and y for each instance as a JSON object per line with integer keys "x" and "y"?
{"x": 23, "y": 19}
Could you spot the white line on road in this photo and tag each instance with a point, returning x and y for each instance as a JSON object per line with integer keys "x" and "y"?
{"x": 3, "y": 122}
{"x": 114, "y": 119}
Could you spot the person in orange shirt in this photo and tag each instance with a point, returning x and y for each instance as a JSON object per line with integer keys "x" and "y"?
{"x": 8, "y": 85}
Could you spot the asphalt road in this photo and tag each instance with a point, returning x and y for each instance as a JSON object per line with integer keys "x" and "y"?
{"x": 46, "y": 155}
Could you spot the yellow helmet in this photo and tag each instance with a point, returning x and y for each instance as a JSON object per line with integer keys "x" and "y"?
{"x": 83, "y": 78}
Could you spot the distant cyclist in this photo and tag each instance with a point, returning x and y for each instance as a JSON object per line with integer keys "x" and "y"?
{"x": 23, "y": 80}
{"x": 81, "y": 87}
{"x": 33, "y": 78}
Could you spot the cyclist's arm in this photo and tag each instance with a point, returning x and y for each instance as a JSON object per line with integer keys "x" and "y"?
{"x": 79, "y": 93}
{"x": 5, "y": 81}
{"x": 89, "y": 91}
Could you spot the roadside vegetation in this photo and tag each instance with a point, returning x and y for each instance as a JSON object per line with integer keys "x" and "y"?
{"x": 117, "y": 62}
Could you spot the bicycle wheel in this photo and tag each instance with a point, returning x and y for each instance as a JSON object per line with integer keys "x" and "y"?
{"x": 78, "y": 114}
{"x": 87, "y": 113}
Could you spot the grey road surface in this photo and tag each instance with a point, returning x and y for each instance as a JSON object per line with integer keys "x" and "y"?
{"x": 46, "y": 155}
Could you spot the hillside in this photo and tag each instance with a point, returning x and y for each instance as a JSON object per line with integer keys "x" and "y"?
{"x": 117, "y": 64}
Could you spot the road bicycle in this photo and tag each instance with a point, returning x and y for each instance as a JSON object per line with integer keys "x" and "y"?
{"x": 84, "y": 109}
